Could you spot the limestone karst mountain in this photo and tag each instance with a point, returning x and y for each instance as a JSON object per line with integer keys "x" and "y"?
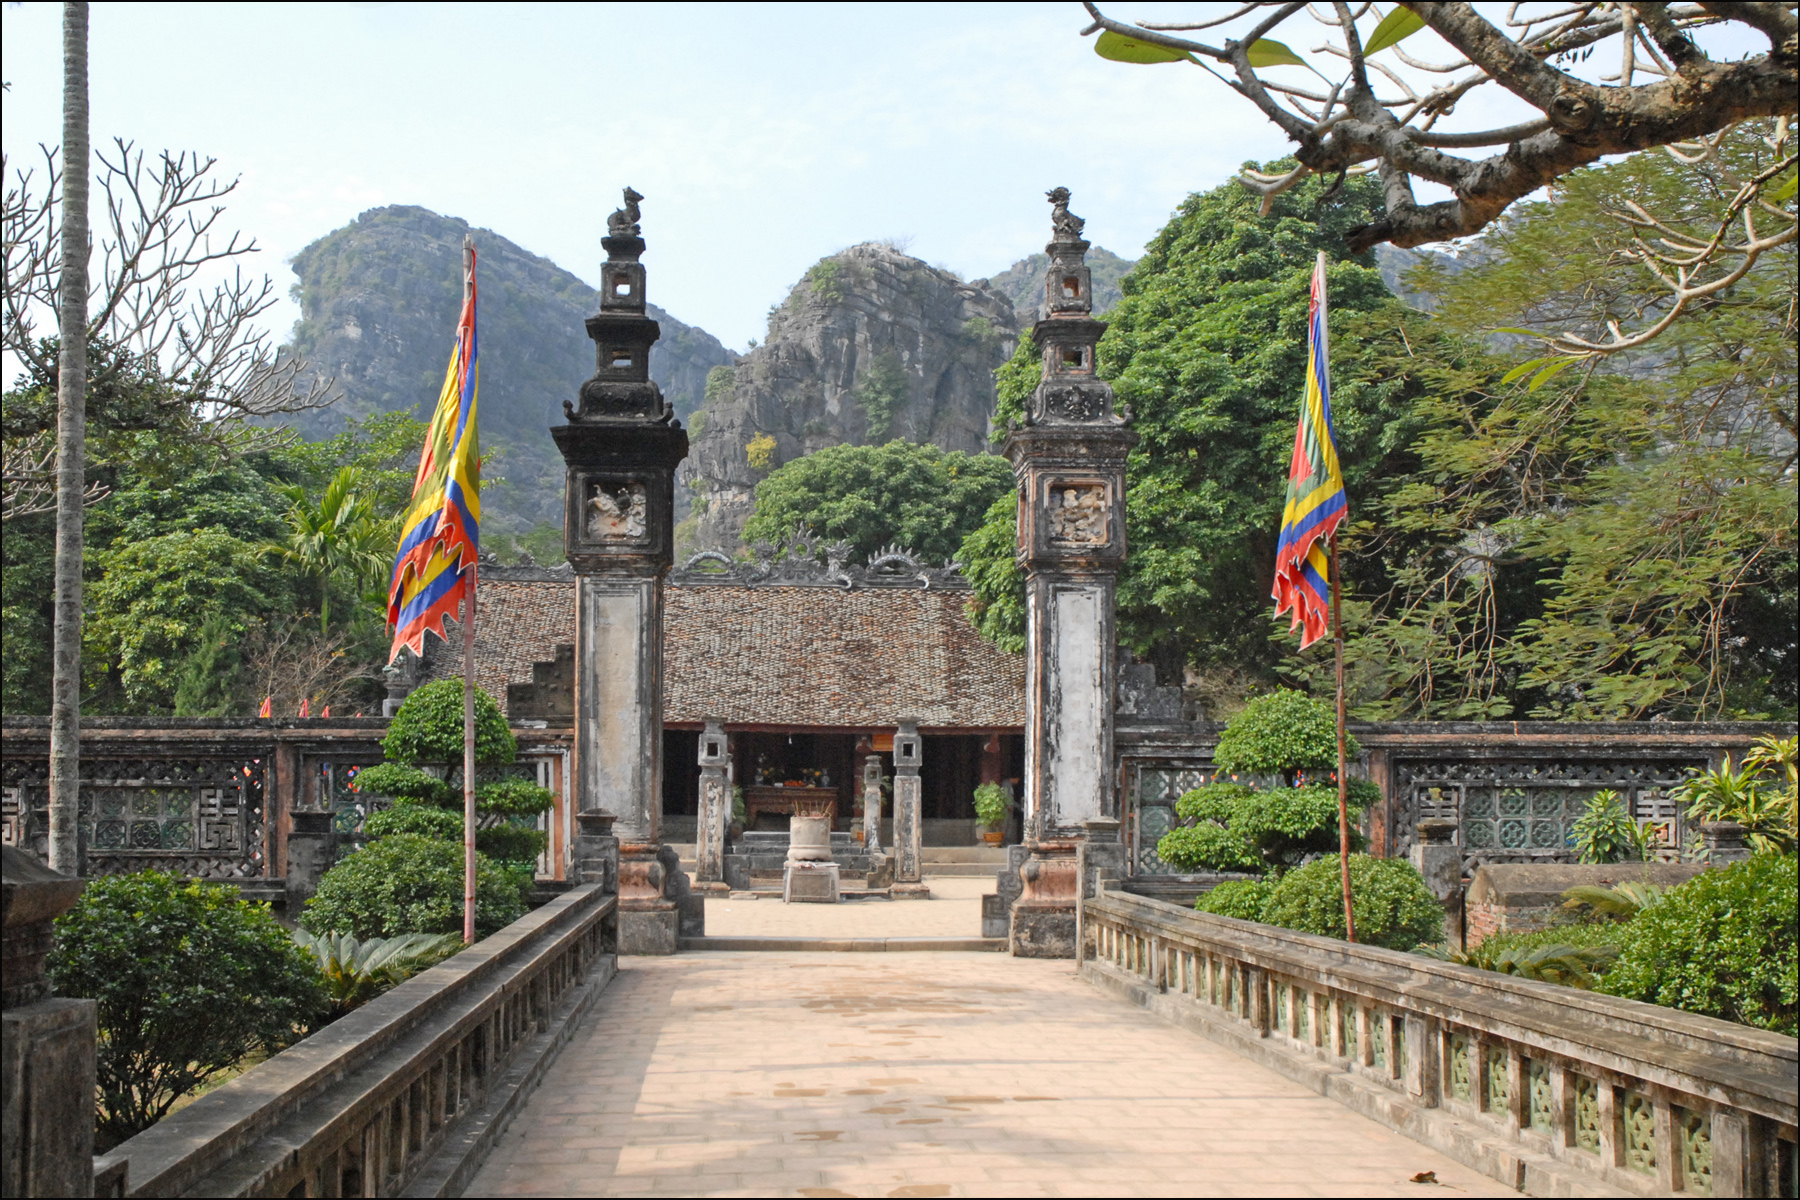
{"x": 378, "y": 302}
{"x": 871, "y": 345}
{"x": 1023, "y": 282}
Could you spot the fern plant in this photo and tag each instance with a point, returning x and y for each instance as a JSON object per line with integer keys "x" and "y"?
{"x": 356, "y": 970}
{"x": 1622, "y": 902}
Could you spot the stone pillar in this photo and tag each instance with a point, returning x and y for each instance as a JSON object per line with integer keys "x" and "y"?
{"x": 1439, "y": 859}
{"x": 1725, "y": 842}
{"x": 48, "y": 1045}
{"x": 908, "y": 849}
{"x": 714, "y": 809}
{"x": 622, "y": 444}
{"x": 1069, "y": 460}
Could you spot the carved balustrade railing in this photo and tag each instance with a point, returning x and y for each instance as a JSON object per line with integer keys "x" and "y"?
{"x": 404, "y": 1094}
{"x": 1547, "y": 1088}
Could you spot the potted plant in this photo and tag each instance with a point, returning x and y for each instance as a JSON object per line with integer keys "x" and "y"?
{"x": 991, "y": 806}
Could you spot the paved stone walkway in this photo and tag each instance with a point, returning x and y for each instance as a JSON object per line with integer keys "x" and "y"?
{"x": 954, "y": 910}
{"x": 936, "y": 1074}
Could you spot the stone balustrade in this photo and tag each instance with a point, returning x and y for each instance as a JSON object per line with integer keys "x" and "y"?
{"x": 404, "y": 1095}
{"x": 1551, "y": 1089}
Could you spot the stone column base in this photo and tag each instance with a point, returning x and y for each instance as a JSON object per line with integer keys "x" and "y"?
{"x": 1041, "y": 930}
{"x": 712, "y": 888}
{"x": 49, "y": 1097}
{"x": 649, "y": 930}
{"x": 810, "y": 883}
{"x": 910, "y": 891}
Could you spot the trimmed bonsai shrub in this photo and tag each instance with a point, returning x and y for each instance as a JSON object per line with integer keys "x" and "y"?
{"x": 188, "y": 979}
{"x": 1722, "y": 944}
{"x": 410, "y": 883}
{"x": 1237, "y": 825}
{"x": 1393, "y": 906}
{"x": 423, "y": 775}
{"x": 1284, "y": 733}
{"x": 1240, "y": 898}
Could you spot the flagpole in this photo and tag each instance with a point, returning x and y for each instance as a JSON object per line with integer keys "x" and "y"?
{"x": 1337, "y": 636}
{"x": 469, "y": 688}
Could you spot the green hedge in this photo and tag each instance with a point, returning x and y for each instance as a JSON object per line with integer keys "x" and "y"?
{"x": 188, "y": 979}
{"x": 1393, "y": 906}
{"x": 1240, "y": 898}
{"x": 1722, "y": 944}
{"x": 411, "y": 883}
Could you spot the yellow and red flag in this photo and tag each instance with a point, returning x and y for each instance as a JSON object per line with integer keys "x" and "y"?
{"x": 1316, "y": 503}
{"x": 440, "y": 533}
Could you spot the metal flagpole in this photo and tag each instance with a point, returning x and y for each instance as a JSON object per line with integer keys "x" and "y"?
{"x": 469, "y": 689}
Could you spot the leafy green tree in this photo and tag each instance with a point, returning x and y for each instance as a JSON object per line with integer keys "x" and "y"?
{"x": 1612, "y": 541}
{"x": 1208, "y": 347}
{"x": 917, "y": 496}
{"x": 151, "y": 600}
{"x": 881, "y": 394}
{"x": 337, "y": 543}
{"x": 189, "y": 978}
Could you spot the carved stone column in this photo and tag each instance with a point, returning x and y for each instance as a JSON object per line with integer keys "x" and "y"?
{"x": 622, "y": 444}
{"x": 714, "y": 809}
{"x": 908, "y": 883}
{"x": 48, "y": 1069}
{"x": 1069, "y": 460}
{"x": 881, "y": 867}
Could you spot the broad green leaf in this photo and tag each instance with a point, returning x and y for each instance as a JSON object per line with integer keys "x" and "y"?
{"x": 1267, "y": 52}
{"x": 1786, "y": 190}
{"x": 1550, "y": 372}
{"x": 1397, "y": 26}
{"x": 1119, "y": 48}
{"x": 1522, "y": 368}
{"x": 1520, "y": 332}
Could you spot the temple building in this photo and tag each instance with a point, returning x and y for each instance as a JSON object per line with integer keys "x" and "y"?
{"x": 809, "y": 661}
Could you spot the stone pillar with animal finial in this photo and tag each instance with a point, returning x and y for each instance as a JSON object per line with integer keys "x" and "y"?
{"x": 622, "y": 443}
{"x": 1068, "y": 458}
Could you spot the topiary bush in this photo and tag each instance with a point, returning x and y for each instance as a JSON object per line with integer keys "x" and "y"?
{"x": 1393, "y": 906}
{"x": 1240, "y": 898}
{"x": 188, "y": 979}
{"x": 1284, "y": 733}
{"x": 423, "y": 774}
{"x": 1722, "y": 944}
{"x": 411, "y": 883}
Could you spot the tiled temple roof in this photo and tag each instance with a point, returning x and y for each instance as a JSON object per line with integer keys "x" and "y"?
{"x": 772, "y": 653}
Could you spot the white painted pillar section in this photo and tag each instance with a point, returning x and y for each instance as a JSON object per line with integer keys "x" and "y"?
{"x": 1076, "y": 728}
{"x": 618, "y": 701}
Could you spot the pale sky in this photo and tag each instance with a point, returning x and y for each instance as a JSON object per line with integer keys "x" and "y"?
{"x": 763, "y": 136}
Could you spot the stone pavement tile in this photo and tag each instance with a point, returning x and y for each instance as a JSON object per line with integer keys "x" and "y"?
{"x": 895, "y": 1074}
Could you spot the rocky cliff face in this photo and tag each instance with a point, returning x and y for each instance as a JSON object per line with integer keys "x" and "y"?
{"x": 871, "y": 345}
{"x": 1023, "y": 282}
{"x": 379, "y": 300}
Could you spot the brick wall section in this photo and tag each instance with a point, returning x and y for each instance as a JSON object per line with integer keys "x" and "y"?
{"x": 774, "y": 655}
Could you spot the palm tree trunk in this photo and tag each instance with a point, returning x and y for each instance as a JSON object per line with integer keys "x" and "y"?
{"x": 71, "y": 448}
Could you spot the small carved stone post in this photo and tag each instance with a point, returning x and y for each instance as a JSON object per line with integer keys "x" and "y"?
{"x": 1439, "y": 860}
{"x": 48, "y": 1042}
{"x": 907, "y": 841}
{"x": 622, "y": 444}
{"x": 1069, "y": 461}
{"x": 714, "y": 809}
{"x": 871, "y": 800}
{"x": 1725, "y": 842}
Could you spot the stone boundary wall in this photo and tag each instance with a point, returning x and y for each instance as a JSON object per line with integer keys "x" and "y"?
{"x": 265, "y": 804}
{"x": 1527, "y": 897}
{"x": 407, "y": 1094}
{"x": 1470, "y": 772}
{"x": 1552, "y": 1090}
